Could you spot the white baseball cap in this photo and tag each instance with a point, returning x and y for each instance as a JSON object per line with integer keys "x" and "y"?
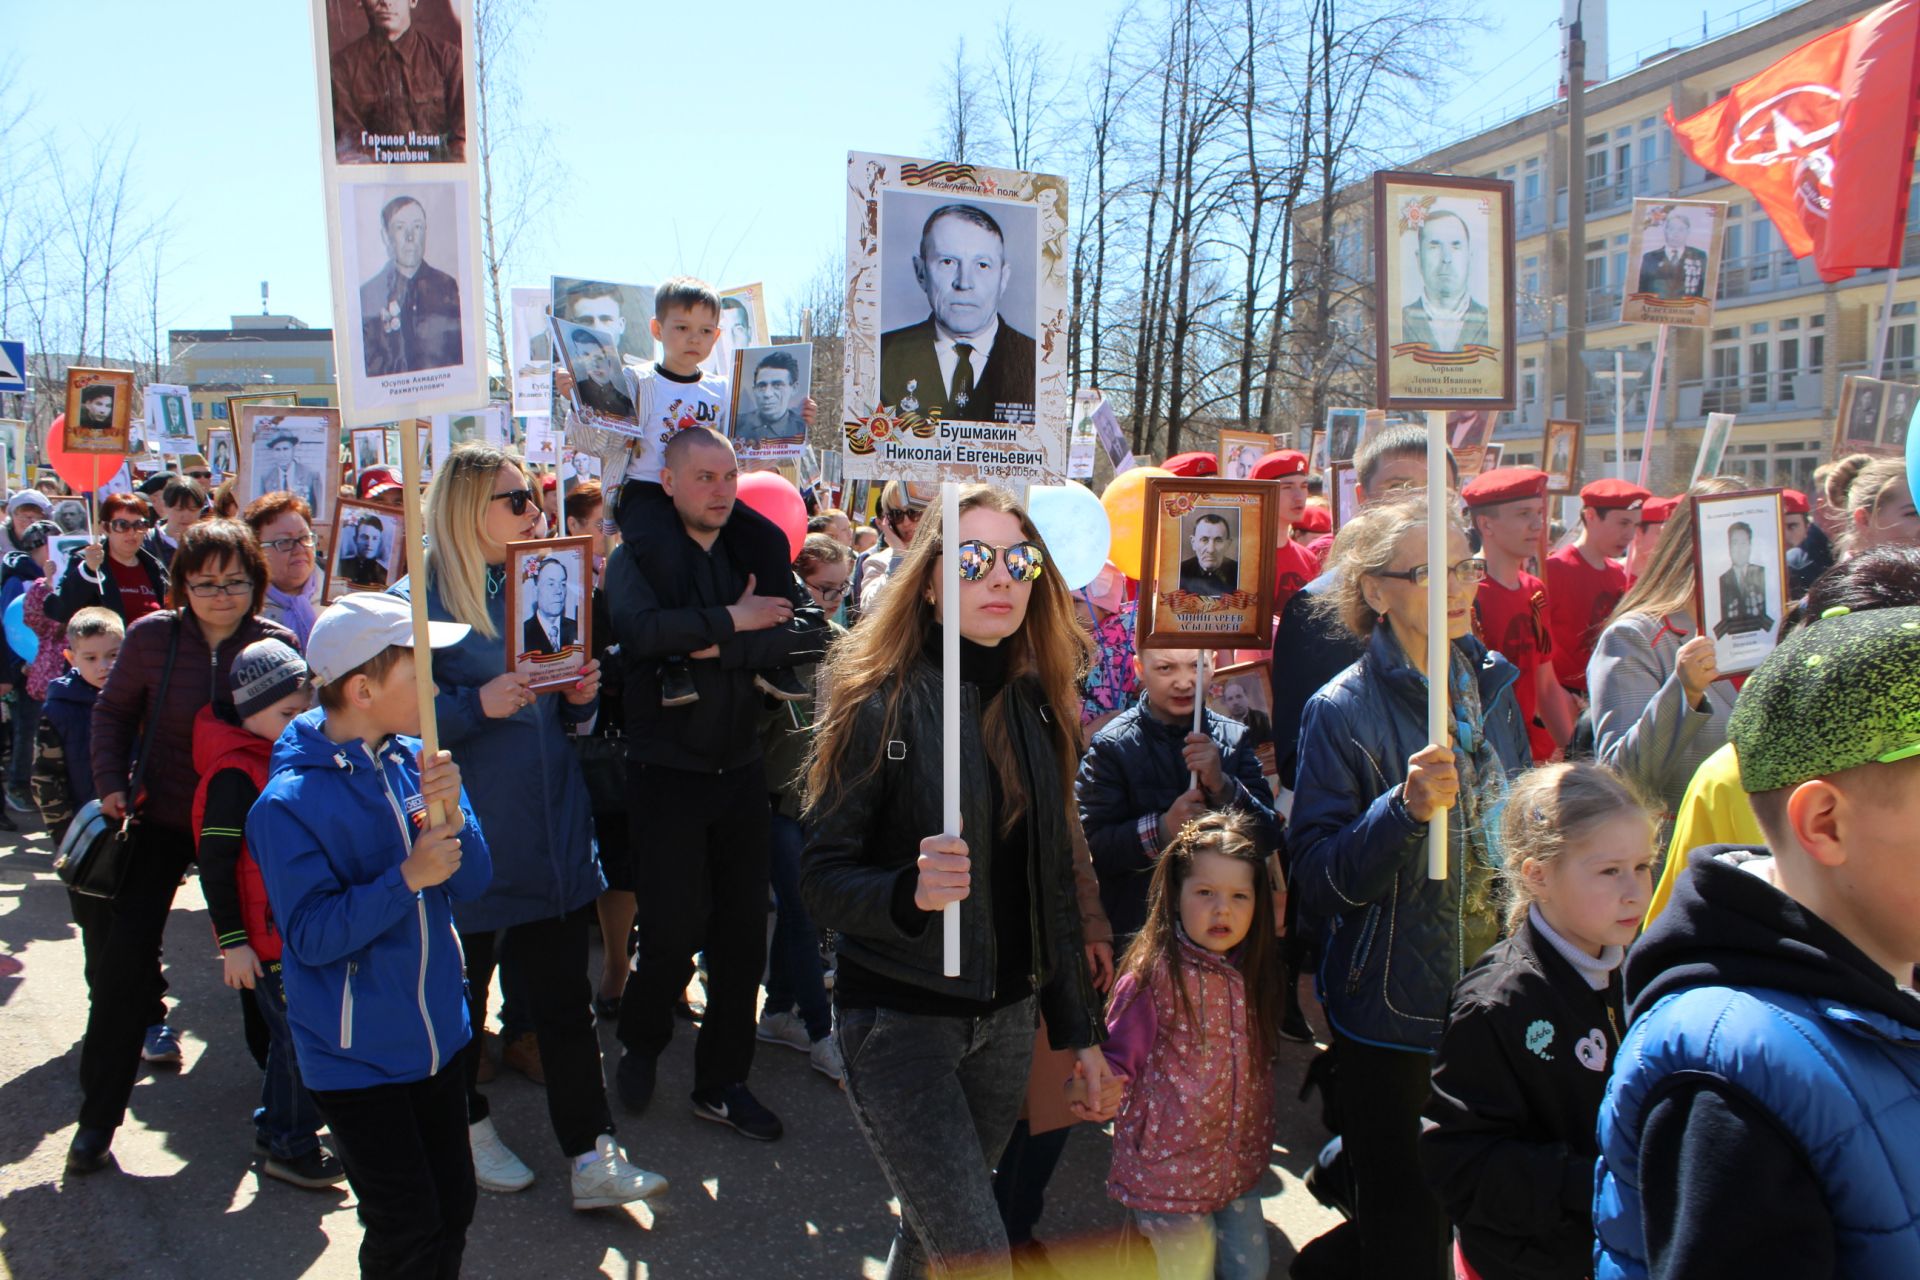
{"x": 358, "y": 627}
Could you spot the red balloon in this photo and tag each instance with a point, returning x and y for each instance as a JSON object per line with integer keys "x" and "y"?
{"x": 773, "y": 496}
{"x": 83, "y": 472}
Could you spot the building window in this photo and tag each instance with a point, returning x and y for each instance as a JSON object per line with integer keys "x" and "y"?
{"x": 220, "y": 410}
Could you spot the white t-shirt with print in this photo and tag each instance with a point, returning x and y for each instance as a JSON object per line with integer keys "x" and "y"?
{"x": 666, "y": 405}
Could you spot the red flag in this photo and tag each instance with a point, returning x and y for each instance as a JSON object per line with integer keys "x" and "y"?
{"x": 1824, "y": 140}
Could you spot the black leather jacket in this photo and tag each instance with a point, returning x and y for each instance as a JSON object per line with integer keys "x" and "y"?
{"x": 865, "y": 840}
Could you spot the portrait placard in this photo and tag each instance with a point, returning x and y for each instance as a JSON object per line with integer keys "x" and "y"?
{"x": 1209, "y": 573}
{"x": 532, "y": 352}
{"x": 283, "y": 399}
{"x": 623, "y": 313}
{"x": 946, "y": 261}
{"x": 72, "y": 514}
{"x": 293, "y": 451}
{"x": 1740, "y": 579}
{"x": 1490, "y": 457}
{"x": 769, "y": 386}
{"x": 1243, "y": 693}
{"x": 1873, "y": 417}
{"x": 1713, "y": 446}
{"x": 1562, "y": 453}
{"x": 65, "y": 544}
{"x": 369, "y": 448}
{"x": 220, "y": 453}
{"x": 1239, "y": 450}
{"x": 743, "y": 324}
{"x": 543, "y": 441}
{"x": 1343, "y": 493}
{"x": 476, "y": 426}
{"x": 549, "y": 626}
{"x": 169, "y": 413}
{"x": 1084, "y": 437}
{"x": 601, "y": 396}
{"x": 1344, "y": 426}
{"x": 14, "y": 433}
{"x": 1444, "y": 285}
{"x": 367, "y": 549}
{"x": 99, "y": 410}
{"x": 393, "y": 82}
{"x": 1318, "y": 439}
{"x": 1676, "y": 249}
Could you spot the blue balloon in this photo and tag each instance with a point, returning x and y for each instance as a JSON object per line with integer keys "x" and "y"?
{"x": 1913, "y": 451}
{"x": 1075, "y": 528}
{"x": 21, "y": 638}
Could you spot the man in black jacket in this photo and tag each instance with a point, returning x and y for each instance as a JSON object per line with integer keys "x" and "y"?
{"x": 700, "y": 813}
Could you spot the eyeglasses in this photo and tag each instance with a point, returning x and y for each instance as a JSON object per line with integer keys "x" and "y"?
{"x": 1473, "y": 569}
{"x": 129, "y": 526}
{"x": 230, "y": 587}
{"x": 1025, "y": 561}
{"x": 518, "y": 499}
{"x": 829, "y": 593}
{"x": 285, "y": 545}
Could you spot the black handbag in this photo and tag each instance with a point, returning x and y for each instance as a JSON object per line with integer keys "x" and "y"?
{"x": 94, "y": 854}
{"x": 603, "y": 762}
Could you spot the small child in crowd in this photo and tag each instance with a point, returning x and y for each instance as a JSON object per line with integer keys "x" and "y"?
{"x": 362, "y": 891}
{"x": 63, "y": 759}
{"x": 231, "y": 747}
{"x": 1762, "y": 1112}
{"x": 1535, "y": 1025}
{"x": 1192, "y": 1032}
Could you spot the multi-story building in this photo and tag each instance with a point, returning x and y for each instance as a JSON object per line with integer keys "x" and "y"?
{"x": 259, "y": 353}
{"x": 1781, "y": 339}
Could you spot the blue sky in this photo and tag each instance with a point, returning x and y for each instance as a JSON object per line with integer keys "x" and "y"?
{"x": 706, "y": 138}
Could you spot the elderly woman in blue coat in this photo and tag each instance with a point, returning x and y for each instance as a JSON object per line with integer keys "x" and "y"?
{"x": 531, "y": 799}
{"x": 1369, "y": 783}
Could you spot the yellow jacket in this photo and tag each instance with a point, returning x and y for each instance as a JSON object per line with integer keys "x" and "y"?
{"x": 1713, "y": 811}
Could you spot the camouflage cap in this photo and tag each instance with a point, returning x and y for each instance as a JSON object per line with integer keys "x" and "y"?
{"x": 1842, "y": 692}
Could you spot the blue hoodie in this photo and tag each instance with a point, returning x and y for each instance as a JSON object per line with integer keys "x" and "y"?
{"x": 373, "y": 971}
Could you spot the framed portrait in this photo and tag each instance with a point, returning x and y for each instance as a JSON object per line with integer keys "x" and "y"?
{"x": 1444, "y": 331}
{"x": 1344, "y": 427}
{"x": 477, "y": 426}
{"x": 1490, "y": 457}
{"x": 1713, "y": 446}
{"x": 424, "y": 431}
{"x": 549, "y": 623}
{"x": 72, "y": 515}
{"x": 65, "y": 544}
{"x": 532, "y": 351}
{"x": 1239, "y": 450}
{"x": 1873, "y": 417}
{"x": 1561, "y": 449}
{"x": 366, "y": 550}
{"x": 915, "y": 411}
{"x": 381, "y": 109}
{"x": 601, "y": 393}
{"x": 1209, "y": 546}
{"x": 1243, "y": 693}
{"x": 1317, "y": 444}
{"x": 1896, "y": 421}
{"x": 369, "y": 448}
{"x": 220, "y": 453}
{"x": 769, "y": 386}
{"x": 1676, "y": 262}
{"x": 169, "y": 411}
{"x": 1375, "y": 423}
{"x": 743, "y": 324}
{"x": 99, "y": 410}
{"x": 283, "y": 399}
{"x": 1343, "y": 493}
{"x": 294, "y": 451}
{"x": 13, "y": 434}
{"x": 623, "y": 313}
{"x": 1740, "y": 561}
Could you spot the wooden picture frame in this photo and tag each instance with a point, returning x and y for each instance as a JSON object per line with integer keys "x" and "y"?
{"x": 223, "y": 454}
{"x": 280, "y": 399}
{"x": 1416, "y": 365}
{"x": 369, "y": 448}
{"x": 1187, "y": 603}
{"x": 350, "y": 564}
{"x": 308, "y": 467}
{"x": 1346, "y": 428}
{"x": 87, "y": 390}
{"x": 1742, "y": 602}
{"x": 1231, "y": 452}
{"x": 1673, "y": 284}
{"x": 1863, "y": 422}
{"x": 553, "y": 661}
{"x": 1343, "y": 493}
{"x": 1254, "y": 711}
{"x": 1562, "y": 467}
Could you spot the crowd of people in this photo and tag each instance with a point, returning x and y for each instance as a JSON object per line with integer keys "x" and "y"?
{"x": 1536, "y": 1065}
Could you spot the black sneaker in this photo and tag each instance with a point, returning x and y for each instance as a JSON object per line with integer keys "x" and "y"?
{"x": 6, "y": 823}
{"x": 317, "y": 1170}
{"x": 633, "y": 1079}
{"x": 737, "y": 1107}
{"x": 676, "y": 685}
{"x": 1294, "y": 1025}
{"x": 90, "y": 1150}
{"x": 781, "y": 683}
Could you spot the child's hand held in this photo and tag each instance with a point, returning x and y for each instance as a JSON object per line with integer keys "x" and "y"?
{"x": 435, "y": 857}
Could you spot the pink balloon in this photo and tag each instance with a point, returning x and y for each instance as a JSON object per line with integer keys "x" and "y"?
{"x": 773, "y": 496}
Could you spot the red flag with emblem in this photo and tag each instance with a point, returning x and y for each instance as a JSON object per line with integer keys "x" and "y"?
{"x": 1824, "y": 140}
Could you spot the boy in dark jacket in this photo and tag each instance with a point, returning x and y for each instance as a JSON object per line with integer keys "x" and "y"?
{"x": 63, "y": 764}
{"x": 1762, "y": 1112}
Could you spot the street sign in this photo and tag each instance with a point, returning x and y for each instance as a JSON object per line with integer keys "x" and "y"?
{"x": 13, "y": 366}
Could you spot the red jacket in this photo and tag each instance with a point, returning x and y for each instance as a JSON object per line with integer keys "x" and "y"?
{"x": 218, "y": 746}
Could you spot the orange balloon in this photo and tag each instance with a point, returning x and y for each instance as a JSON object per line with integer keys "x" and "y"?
{"x": 1126, "y": 504}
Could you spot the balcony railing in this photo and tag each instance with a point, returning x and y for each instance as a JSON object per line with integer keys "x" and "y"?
{"x": 1751, "y": 393}
{"x": 1603, "y": 303}
{"x": 1616, "y": 190}
{"x": 1763, "y": 273}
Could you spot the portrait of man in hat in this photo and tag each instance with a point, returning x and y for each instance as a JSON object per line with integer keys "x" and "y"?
{"x": 278, "y": 470}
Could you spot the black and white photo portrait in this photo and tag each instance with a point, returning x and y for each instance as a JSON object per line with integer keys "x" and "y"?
{"x": 771, "y": 385}
{"x": 368, "y": 548}
{"x": 600, "y": 384}
{"x": 551, "y": 624}
{"x": 398, "y": 81}
{"x": 532, "y": 352}
{"x": 621, "y": 313}
{"x": 1863, "y": 413}
{"x": 548, "y": 585}
{"x": 1446, "y": 316}
{"x": 1676, "y": 262}
{"x": 291, "y": 451}
{"x": 1343, "y": 433}
{"x": 170, "y": 416}
{"x": 1212, "y": 563}
{"x": 99, "y": 410}
{"x": 71, "y": 515}
{"x": 409, "y": 308}
{"x": 1739, "y": 572}
{"x": 220, "y": 452}
{"x": 1743, "y": 587}
{"x": 1444, "y": 280}
{"x": 1897, "y": 416}
{"x": 369, "y": 448}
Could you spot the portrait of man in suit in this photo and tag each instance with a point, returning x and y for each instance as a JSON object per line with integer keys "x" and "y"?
{"x": 173, "y": 418}
{"x": 1212, "y": 569}
{"x": 363, "y": 556}
{"x": 1676, "y": 270}
{"x": 1863, "y": 413}
{"x": 1445, "y": 316}
{"x": 410, "y": 309}
{"x": 965, "y": 362}
{"x": 770, "y": 408}
{"x": 548, "y": 628}
{"x": 281, "y": 472}
{"x": 1743, "y": 587}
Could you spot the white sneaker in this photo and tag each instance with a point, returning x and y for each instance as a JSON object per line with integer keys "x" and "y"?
{"x": 494, "y": 1167}
{"x": 784, "y": 1028}
{"x": 609, "y": 1180}
{"x": 826, "y": 1058}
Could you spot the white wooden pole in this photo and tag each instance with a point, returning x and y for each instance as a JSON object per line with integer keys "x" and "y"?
{"x": 950, "y": 707}
{"x": 1886, "y": 323}
{"x": 1438, "y": 645}
{"x": 1653, "y": 408}
{"x": 1199, "y": 706}
{"x": 1619, "y": 417}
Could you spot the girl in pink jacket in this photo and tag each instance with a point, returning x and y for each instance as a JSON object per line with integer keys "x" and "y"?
{"x": 1192, "y": 1031}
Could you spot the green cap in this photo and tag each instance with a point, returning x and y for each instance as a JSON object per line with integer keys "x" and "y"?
{"x": 1842, "y": 692}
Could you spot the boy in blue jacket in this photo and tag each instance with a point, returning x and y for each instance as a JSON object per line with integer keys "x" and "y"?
{"x": 363, "y": 891}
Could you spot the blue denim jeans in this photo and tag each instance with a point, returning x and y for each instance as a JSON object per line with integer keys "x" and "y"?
{"x": 286, "y": 1120}
{"x": 936, "y": 1099}
{"x": 1227, "y": 1244}
{"x": 795, "y": 976}
{"x": 26, "y": 724}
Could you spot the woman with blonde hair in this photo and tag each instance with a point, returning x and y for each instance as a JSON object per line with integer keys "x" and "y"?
{"x": 528, "y": 792}
{"x": 1877, "y": 501}
{"x": 1659, "y": 704}
{"x": 936, "y": 1067}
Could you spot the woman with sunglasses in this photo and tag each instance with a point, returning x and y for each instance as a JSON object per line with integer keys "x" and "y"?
{"x": 936, "y": 1067}
{"x": 219, "y": 584}
{"x": 531, "y": 798}
{"x": 899, "y": 521}
{"x": 1370, "y": 781}
{"x": 116, "y": 571}
{"x": 283, "y": 524}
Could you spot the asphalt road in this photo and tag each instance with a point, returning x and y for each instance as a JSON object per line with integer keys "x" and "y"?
{"x": 189, "y": 1200}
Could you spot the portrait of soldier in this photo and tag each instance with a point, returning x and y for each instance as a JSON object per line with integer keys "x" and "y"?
{"x": 597, "y": 306}
{"x": 964, "y": 361}
{"x": 281, "y": 472}
{"x": 1445, "y": 317}
{"x": 399, "y": 94}
{"x": 410, "y": 309}
{"x": 1743, "y": 587}
{"x": 1863, "y": 414}
{"x": 601, "y": 384}
{"x": 363, "y": 556}
{"x": 173, "y": 418}
{"x": 1211, "y": 570}
{"x": 771, "y": 409}
{"x": 1675, "y": 270}
{"x": 549, "y": 628}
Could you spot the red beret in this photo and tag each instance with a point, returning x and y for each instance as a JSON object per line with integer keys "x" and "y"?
{"x": 1657, "y": 510}
{"x": 1504, "y": 484}
{"x": 1794, "y": 502}
{"x": 1613, "y": 495}
{"x": 1193, "y": 464}
{"x": 1283, "y": 462}
{"x": 1315, "y": 520}
{"x": 549, "y": 482}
